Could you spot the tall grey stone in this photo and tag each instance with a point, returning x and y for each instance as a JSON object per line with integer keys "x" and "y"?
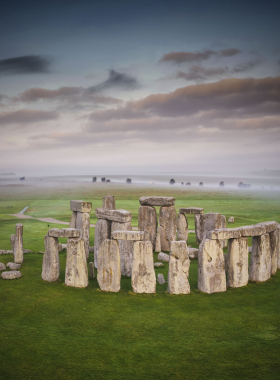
{"x": 73, "y": 220}
{"x": 260, "y": 262}
{"x": 158, "y": 244}
{"x": 18, "y": 247}
{"x": 211, "y": 267}
{"x": 76, "y": 272}
{"x": 179, "y": 264}
{"x": 109, "y": 267}
{"x": 182, "y": 227}
{"x": 147, "y": 221}
{"x": 83, "y": 225}
{"x": 51, "y": 266}
{"x": 101, "y": 233}
{"x": 224, "y": 225}
{"x": 12, "y": 240}
{"x": 109, "y": 202}
{"x": 143, "y": 278}
{"x": 125, "y": 247}
{"x": 274, "y": 249}
{"x": 168, "y": 226}
{"x": 199, "y": 220}
{"x": 237, "y": 262}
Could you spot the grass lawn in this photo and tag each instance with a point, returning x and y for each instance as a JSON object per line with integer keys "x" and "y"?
{"x": 50, "y": 331}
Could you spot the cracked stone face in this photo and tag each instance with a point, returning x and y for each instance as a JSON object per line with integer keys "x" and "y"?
{"x": 178, "y": 272}
{"x": 143, "y": 278}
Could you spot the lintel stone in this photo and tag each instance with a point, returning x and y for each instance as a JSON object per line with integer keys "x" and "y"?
{"x": 157, "y": 201}
{"x": 81, "y": 206}
{"x": 64, "y": 232}
{"x": 254, "y": 230}
{"x": 224, "y": 233}
{"x": 191, "y": 210}
{"x": 128, "y": 235}
{"x": 121, "y": 216}
{"x": 269, "y": 226}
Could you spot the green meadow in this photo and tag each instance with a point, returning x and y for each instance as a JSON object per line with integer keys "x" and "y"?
{"x": 50, "y": 331}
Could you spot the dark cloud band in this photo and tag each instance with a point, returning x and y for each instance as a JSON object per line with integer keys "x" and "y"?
{"x": 28, "y": 64}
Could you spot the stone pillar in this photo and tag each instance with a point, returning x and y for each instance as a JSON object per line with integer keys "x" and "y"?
{"x": 182, "y": 227}
{"x": 76, "y": 272}
{"x": 211, "y": 267}
{"x": 274, "y": 249}
{"x": 102, "y": 232}
{"x": 83, "y": 225}
{"x": 12, "y": 240}
{"x": 179, "y": 265}
{"x": 109, "y": 267}
{"x": 158, "y": 244}
{"x": 51, "y": 266}
{"x": 73, "y": 219}
{"x": 18, "y": 247}
{"x": 168, "y": 227}
{"x": 223, "y": 225}
{"x": 125, "y": 248}
{"x": 278, "y": 255}
{"x": 109, "y": 202}
{"x": 199, "y": 220}
{"x": 147, "y": 221}
{"x": 237, "y": 263}
{"x": 260, "y": 263}
{"x": 143, "y": 278}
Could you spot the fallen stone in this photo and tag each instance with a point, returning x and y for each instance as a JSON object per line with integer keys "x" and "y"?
{"x": 12, "y": 240}
{"x": 11, "y": 275}
{"x": 27, "y": 251}
{"x": 121, "y": 216}
{"x": 237, "y": 262}
{"x": 158, "y": 243}
{"x": 6, "y": 252}
{"x": 2, "y": 266}
{"x": 109, "y": 266}
{"x": 143, "y": 278}
{"x": 178, "y": 272}
{"x": 193, "y": 253}
{"x": 191, "y": 210}
{"x": 160, "y": 279}
{"x": 231, "y": 219}
{"x": 81, "y": 206}
{"x": 83, "y": 224}
{"x": 64, "y": 232}
{"x": 13, "y": 266}
{"x": 163, "y": 257}
{"x": 157, "y": 201}
{"x": 274, "y": 249}
{"x": 101, "y": 233}
{"x": 260, "y": 262}
{"x": 147, "y": 221}
{"x": 128, "y": 235}
{"x": 199, "y": 220}
{"x": 224, "y": 233}
{"x": 51, "y": 265}
{"x": 211, "y": 267}
{"x": 182, "y": 227}
{"x": 76, "y": 272}
{"x": 168, "y": 226}
{"x": 91, "y": 271}
{"x": 253, "y": 230}
{"x": 73, "y": 220}
{"x": 125, "y": 247}
{"x": 109, "y": 202}
{"x": 18, "y": 246}
{"x": 41, "y": 252}
{"x": 269, "y": 226}
{"x": 158, "y": 265}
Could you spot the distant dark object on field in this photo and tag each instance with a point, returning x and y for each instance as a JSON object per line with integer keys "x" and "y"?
{"x": 103, "y": 179}
{"x": 22, "y": 178}
{"x": 222, "y": 184}
{"x": 242, "y": 185}
{"x": 182, "y": 183}
{"x": 188, "y": 184}
{"x": 172, "y": 181}
{"x": 128, "y": 180}
{"x": 108, "y": 180}
{"x": 200, "y": 183}
{"x": 94, "y": 179}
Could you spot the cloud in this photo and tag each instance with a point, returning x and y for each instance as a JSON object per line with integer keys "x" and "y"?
{"x": 25, "y": 116}
{"x": 116, "y": 80}
{"x": 28, "y": 64}
{"x": 187, "y": 57}
{"x": 199, "y": 73}
{"x": 245, "y": 66}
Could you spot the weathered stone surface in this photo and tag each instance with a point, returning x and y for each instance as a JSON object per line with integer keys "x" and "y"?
{"x": 147, "y": 221}
{"x": 178, "y": 272}
{"x": 237, "y": 262}
{"x": 278, "y": 260}
{"x": 6, "y": 252}
{"x": 2, "y": 266}
{"x": 253, "y": 230}
{"x": 109, "y": 266}
{"x": 143, "y": 278}
{"x": 27, "y": 251}
{"x": 158, "y": 265}
{"x": 193, "y": 253}
{"x": 191, "y": 210}
{"x": 109, "y": 202}
{"x": 128, "y": 235}
{"x": 260, "y": 263}
{"x": 76, "y": 272}
{"x": 13, "y": 266}
{"x": 163, "y": 257}
{"x": 91, "y": 271}
{"x": 274, "y": 249}
{"x": 213, "y": 221}
{"x": 91, "y": 249}
{"x": 199, "y": 220}
{"x": 224, "y": 225}
{"x": 63, "y": 247}
{"x": 249, "y": 249}
{"x": 51, "y": 265}
{"x": 182, "y": 227}
{"x": 125, "y": 248}
{"x": 64, "y": 232}
{"x": 121, "y": 216}
{"x": 81, "y": 206}
{"x": 83, "y": 225}
{"x": 231, "y": 219}
{"x": 18, "y": 247}
{"x": 269, "y": 226}
{"x": 157, "y": 201}
{"x": 158, "y": 243}
{"x": 224, "y": 233}
{"x": 160, "y": 279}
{"x": 12, "y": 240}
{"x": 11, "y": 275}
{"x": 73, "y": 220}
{"x": 168, "y": 226}
{"x": 101, "y": 233}
{"x": 211, "y": 267}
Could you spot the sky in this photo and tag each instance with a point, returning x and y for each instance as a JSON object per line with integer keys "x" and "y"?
{"x": 118, "y": 87}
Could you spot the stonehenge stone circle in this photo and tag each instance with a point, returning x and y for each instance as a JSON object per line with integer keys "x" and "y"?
{"x": 73, "y": 220}
{"x": 269, "y": 226}
{"x": 260, "y": 262}
{"x": 80, "y": 206}
{"x": 182, "y": 227}
{"x": 167, "y": 228}
{"x": 51, "y": 265}
{"x": 11, "y": 275}
{"x": 125, "y": 247}
{"x": 191, "y": 210}
{"x": 253, "y": 230}
{"x": 2, "y": 267}
{"x": 18, "y": 247}
{"x": 274, "y": 248}
{"x": 64, "y": 232}
{"x": 157, "y": 201}
{"x": 147, "y": 221}
{"x": 224, "y": 233}
{"x": 76, "y": 272}
{"x": 121, "y": 216}
{"x": 128, "y": 235}
{"x": 13, "y": 239}
{"x": 163, "y": 257}
{"x": 178, "y": 272}
{"x": 143, "y": 278}
{"x": 83, "y": 225}
{"x": 160, "y": 279}
{"x": 109, "y": 202}
{"x": 91, "y": 271}
{"x": 109, "y": 267}
{"x": 237, "y": 263}
{"x": 102, "y": 232}
{"x": 13, "y": 266}
{"x": 158, "y": 244}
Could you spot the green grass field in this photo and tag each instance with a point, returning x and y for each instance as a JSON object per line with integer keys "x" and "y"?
{"x": 50, "y": 331}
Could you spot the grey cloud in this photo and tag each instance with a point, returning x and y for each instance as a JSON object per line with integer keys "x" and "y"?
{"x": 116, "y": 80}
{"x": 199, "y": 73}
{"x": 28, "y": 64}
{"x": 25, "y": 116}
{"x": 187, "y": 57}
{"x": 228, "y": 52}
{"x": 245, "y": 66}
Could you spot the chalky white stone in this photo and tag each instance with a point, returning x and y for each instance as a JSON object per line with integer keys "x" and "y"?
{"x": 158, "y": 243}
{"x": 125, "y": 247}
{"x": 237, "y": 263}
{"x": 157, "y": 201}
{"x": 260, "y": 262}
{"x": 121, "y": 216}
{"x": 178, "y": 272}
{"x": 160, "y": 279}
{"x": 158, "y": 265}
{"x": 191, "y": 210}
{"x": 163, "y": 257}
{"x": 101, "y": 233}
{"x": 91, "y": 271}
{"x": 2, "y": 266}
{"x": 168, "y": 226}
{"x": 143, "y": 278}
{"x": 109, "y": 266}
{"x": 128, "y": 235}
{"x": 274, "y": 249}
{"x": 73, "y": 220}
{"x": 13, "y": 266}
{"x": 76, "y": 272}
{"x": 109, "y": 202}
{"x": 81, "y": 206}
{"x": 182, "y": 227}
{"x": 278, "y": 255}
{"x": 211, "y": 267}
{"x": 64, "y": 232}
{"x": 224, "y": 233}
{"x": 18, "y": 247}
{"x": 224, "y": 225}
{"x": 269, "y": 226}
{"x": 11, "y": 275}
{"x": 83, "y": 225}
{"x": 51, "y": 265}
{"x": 147, "y": 221}
{"x": 12, "y": 240}
{"x": 253, "y": 230}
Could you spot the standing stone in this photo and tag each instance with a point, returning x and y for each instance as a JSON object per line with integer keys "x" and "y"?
{"x": 223, "y": 225}
{"x": 143, "y": 278}
{"x": 125, "y": 247}
{"x": 51, "y": 266}
{"x": 168, "y": 227}
{"x": 213, "y": 221}
{"x": 182, "y": 227}
{"x": 91, "y": 271}
{"x": 237, "y": 263}
{"x": 109, "y": 202}
{"x": 147, "y": 221}
{"x": 83, "y": 224}
{"x": 109, "y": 267}
{"x": 158, "y": 244}
{"x": 13, "y": 239}
{"x": 178, "y": 272}
{"x": 160, "y": 279}
{"x": 101, "y": 233}
{"x": 211, "y": 267}
{"x": 274, "y": 249}
{"x": 73, "y": 220}
{"x": 278, "y": 229}
{"x": 18, "y": 247}
{"x": 76, "y": 272}
{"x": 199, "y": 220}
{"x": 260, "y": 263}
